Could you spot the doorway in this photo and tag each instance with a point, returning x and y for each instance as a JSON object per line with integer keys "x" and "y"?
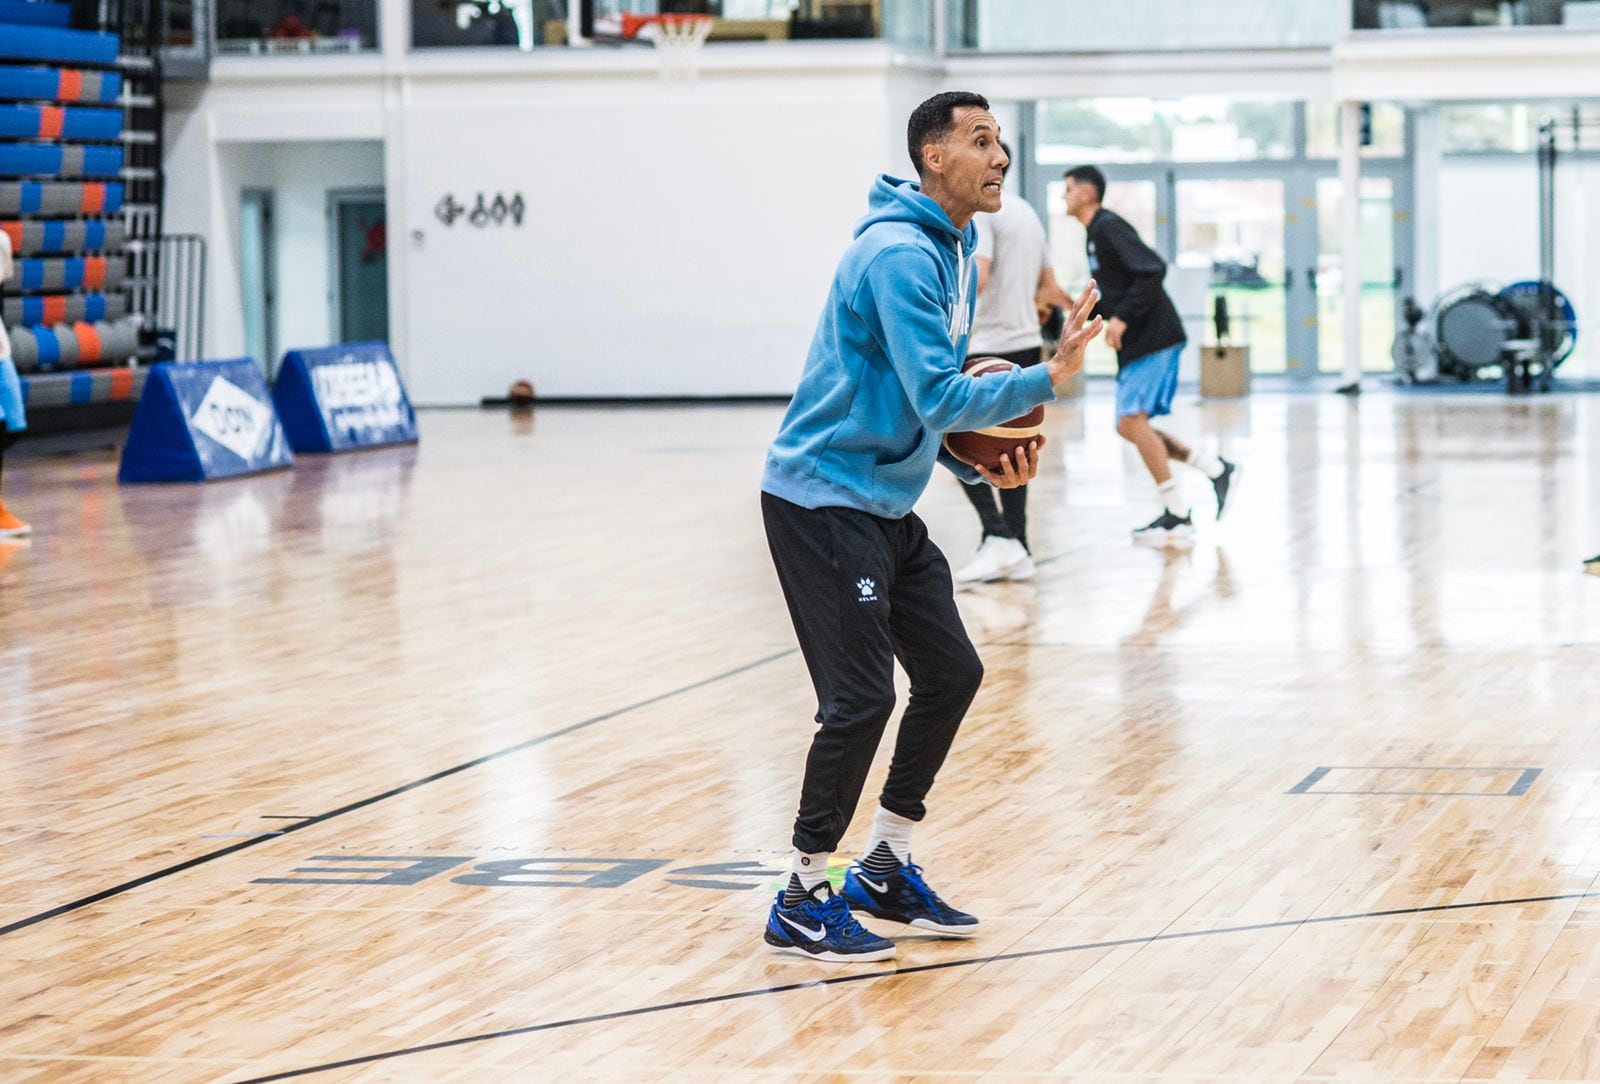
{"x": 358, "y": 295}
{"x": 258, "y": 277}
{"x": 1232, "y": 228}
{"x": 1380, "y": 271}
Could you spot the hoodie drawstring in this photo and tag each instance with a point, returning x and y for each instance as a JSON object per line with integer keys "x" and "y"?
{"x": 958, "y": 315}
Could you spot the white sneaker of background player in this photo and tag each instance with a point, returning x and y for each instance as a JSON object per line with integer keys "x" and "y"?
{"x": 997, "y": 559}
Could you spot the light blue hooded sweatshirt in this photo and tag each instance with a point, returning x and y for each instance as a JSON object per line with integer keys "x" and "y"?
{"x": 883, "y": 382}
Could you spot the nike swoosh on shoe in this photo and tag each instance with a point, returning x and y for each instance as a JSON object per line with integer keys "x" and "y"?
{"x": 809, "y": 934}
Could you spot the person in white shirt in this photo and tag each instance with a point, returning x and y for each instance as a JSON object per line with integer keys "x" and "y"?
{"x": 1017, "y": 291}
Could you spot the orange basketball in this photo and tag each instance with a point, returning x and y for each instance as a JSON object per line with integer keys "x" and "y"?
{"x": 984, "y": 447}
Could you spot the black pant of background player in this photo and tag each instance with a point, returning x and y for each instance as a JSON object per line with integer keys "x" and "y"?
{"x": 863, "y": 591}
{"x": 1009, "y": 518}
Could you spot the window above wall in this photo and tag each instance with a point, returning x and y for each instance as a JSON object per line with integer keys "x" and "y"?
{"x": 1141, "y": 26}
{"x": 1388, "y": 131}
{"x": 295, "y": 27}
{"x": 527, "y": 24}
{"x": 1505, "y": 128}
{"x": 1197, "y": 129}
{"x": 1437, "y": 14}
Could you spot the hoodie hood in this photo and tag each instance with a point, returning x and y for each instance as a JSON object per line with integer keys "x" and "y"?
{"x": 895, "y": 200}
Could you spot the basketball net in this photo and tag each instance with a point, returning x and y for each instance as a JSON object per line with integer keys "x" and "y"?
{"x": 678, "y": 39}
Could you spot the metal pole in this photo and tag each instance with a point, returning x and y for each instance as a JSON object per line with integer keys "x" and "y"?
{"x": 1350, "y": 240}
{"x": 1547, "y": 332}
{"x": 1425, "y": 159}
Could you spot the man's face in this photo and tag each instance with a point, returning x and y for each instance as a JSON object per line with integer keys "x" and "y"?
{"x": 1079, "y": 196}
{"x": 972, "y": 161}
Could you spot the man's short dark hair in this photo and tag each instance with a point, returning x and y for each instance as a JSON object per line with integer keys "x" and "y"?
{"x": 932, "y": 120}
{"x": 1090, "y": 176}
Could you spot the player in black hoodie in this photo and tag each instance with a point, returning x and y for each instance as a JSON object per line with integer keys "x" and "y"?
{"x": 1143, "y": 327}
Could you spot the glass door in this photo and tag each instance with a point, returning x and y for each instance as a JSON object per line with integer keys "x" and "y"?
{"x": 1263, "y": 238}
{"x": 1380, "y": 274}
{"x": 258, "y": 278}
{"x": 1231, "y": 232}
{"x": 360, "y": 279}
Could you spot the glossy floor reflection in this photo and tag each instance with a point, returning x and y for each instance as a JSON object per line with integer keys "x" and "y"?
{"x": 476, "y": 760}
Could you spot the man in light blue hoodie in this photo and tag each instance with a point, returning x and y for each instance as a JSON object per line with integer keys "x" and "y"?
{"x": 863, "y": 582}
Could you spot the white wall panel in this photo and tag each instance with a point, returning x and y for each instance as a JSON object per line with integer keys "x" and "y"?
{"x": 676, "y": 241}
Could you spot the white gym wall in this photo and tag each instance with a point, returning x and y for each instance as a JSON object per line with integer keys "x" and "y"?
{"x": 677, "y": 241}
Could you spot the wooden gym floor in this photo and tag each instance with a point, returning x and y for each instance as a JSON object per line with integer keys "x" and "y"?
{"x": 476, "y": 761}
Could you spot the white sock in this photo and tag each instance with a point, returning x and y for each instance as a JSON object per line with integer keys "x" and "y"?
{"x": 892, "y": 832}
{"x": 1204, "y": 462}
{"x": 810, "y": 869}
{"x": 1172, "y": 497}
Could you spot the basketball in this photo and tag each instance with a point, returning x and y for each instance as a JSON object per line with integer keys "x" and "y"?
{"x": 520, "y": 393}
{"x": 984, "y": 447}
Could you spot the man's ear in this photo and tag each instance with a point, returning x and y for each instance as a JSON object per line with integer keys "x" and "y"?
{"x": 932, "y": 158}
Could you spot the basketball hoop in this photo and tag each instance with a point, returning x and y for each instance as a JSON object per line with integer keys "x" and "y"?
{"x": 678, "y": 39}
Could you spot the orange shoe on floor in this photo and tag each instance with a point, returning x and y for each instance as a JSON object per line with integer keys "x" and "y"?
{"x": 11, "y": 526}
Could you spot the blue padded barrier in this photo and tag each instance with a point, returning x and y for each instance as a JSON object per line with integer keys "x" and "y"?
{"x": 59, "y": 84}
{"x": 119, "y": 385}
{"x": 59, "y": 160}
{"x": 52, "y": 198}
{"x": 69, "y": 273}
{"x": 343, "y": 397}
{"x": 33, "y": 13}
{"x": 48, "y": 43}
{"x": 202, "y": 420}
{"x": 52, "y": 236}
{"x": 47, "y": 309}
{"x": 59, "y": 122}
{"x": 67, "y": 346}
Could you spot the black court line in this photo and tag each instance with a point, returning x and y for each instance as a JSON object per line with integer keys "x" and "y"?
{"x": 322, "y": 818}
{"x": 740, "y": 995}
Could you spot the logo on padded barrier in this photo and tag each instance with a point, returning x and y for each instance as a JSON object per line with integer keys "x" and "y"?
{"x": 359, "y": 395}
{"x": 234, "y": 419}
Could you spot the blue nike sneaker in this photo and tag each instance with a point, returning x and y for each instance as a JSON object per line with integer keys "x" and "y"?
{"x": 824, "y": 929}
{"x": 904, "y": 897}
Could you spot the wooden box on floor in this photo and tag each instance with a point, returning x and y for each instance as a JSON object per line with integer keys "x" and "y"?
{"x": 1224, "y": 372}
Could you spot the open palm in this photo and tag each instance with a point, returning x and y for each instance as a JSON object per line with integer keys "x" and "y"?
{"x": 1077, "y": 333}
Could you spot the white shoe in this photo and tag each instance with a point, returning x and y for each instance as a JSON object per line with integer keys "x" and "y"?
{"x": 995, "y": 560}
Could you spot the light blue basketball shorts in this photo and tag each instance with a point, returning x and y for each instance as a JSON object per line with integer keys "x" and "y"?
{"x": 1147, "y": 385}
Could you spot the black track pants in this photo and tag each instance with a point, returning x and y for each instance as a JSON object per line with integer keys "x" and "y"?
{"x": 863, "y": 591}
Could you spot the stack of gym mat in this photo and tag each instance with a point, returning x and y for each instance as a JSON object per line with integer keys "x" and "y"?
{"x": 61, "y": 198}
